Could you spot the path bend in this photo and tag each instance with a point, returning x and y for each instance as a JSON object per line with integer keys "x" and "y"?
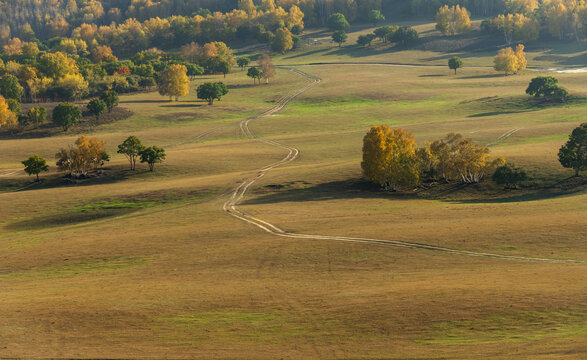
{"x": 232, "y": 208}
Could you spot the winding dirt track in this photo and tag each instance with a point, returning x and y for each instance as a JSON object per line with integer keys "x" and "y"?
{"x": 231, "y": 205}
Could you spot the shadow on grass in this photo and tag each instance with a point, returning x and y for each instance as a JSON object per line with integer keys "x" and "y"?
{"x": 433, "y": 75}
{"x": 447, "y": 192}
{"x": 69, "y": 218}
{"x": 184, "y": 105}
{"x": 486, "y": 76}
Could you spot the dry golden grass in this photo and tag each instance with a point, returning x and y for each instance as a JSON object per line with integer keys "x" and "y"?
{"x": 148, "y": 266}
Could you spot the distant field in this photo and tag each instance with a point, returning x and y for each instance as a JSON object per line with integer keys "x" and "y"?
{"x": 147, "y": 265}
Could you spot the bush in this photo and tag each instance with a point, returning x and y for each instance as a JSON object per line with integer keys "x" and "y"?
{"x": 509, "y": 175}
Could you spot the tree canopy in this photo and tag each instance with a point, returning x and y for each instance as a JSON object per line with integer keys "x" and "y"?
{"x": 573, "y": 154}
{"x": 34, "y": 165}
{"x": 66, "y": 115}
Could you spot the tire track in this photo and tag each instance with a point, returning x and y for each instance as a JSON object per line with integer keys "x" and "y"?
{"x": 231, "y": 205}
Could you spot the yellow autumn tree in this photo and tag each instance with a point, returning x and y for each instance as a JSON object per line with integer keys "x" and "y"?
{"x": 247, "y": 6}
{"x": 510, "y": 61}
{"x": 453, "y": 20}
{"x": 174, "y": 82}
{"x": 389, "y": 157}
{"x": 518, "y": 26}
{"x": 266, "y": 67}
{"x": 87, "y": 154}
{"x": 7, "y": 117}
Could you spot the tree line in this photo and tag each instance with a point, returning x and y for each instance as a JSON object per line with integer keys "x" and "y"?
{"x": 89, "y": 154}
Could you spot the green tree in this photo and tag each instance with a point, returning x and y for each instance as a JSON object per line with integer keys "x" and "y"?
{"x": 573, "y": 154}
{"x": 375, "y": 17}
{"x": 14, "y": 106}
{"x": 110, "y": 98}
{"x": 455, "y": 63}
{"x": 383, "y": 33}
{"x": 547, "y": 87}
{"x": 340, "y": 37}
{"x": 509, "y": 175}
{"x": 10, "y": 88}
{"x": 405, "y": 35}
{"x": 211, "y": 91}
{"x": 96, "y": 107}
{"x": 255, "y": 73}
{"x": 66, "y": 115}
{"x": 243, "y": 62}
{"x": 131, "y": 148}
{"x": 366, "y": 40}
{"x": 34, "y": 165}
{"x": 223, "y": 67}
{"x": 37, "y": 115}
{"x": 152, "y": 155}
{"x": 338, "y": 22}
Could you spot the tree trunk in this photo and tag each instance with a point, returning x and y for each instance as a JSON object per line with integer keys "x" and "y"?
{"x": 38, "y": 177}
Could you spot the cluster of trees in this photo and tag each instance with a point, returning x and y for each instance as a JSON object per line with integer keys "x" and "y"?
{"x": 547, "y": 87}
{"x": 390, "y": 34}
{"x": 453, "y": 20}
{"x": 510, "y": 61}
{"x": 64, "y": 115}
{"x": 265, "y": 70}
{"x": 392, "y": 159}
{"x": 89, "y": 154}
{"x": 523, "y": 20}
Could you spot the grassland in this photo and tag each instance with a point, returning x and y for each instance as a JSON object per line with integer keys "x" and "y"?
{"x": 147, "y": 265}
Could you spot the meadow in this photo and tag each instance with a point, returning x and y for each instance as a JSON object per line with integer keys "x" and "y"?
{"x": 147, "y": 265}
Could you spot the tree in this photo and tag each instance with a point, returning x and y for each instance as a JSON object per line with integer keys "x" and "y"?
{"x": 383, "y": 33}
{"x": 211, "y": 91}
{"x": 174, "y": 82}
{"x": 366, "y": 40}
{"x": 455, "y": 63}
{"x": 96, "y": 107}
{"x": 87, "y": 154}
{"x": 66, "y": 115}
{"x": 34, "y": 165}
{"x": 282, "y": 41}
{"x": 131, "y": 148}
{"x": 547, "y": 87}
{"x": 266, "y": 67}
{"x": 389, "y": 157}
{"x": 338, "y": 22}
{"x": 573, "y": 154}
{"x": 152, "y": 155}
{"x": 14, "y": 106}
{"x": 103, "y": 53}
{"x": 453, "y": 20}
{"x": 375, "y": 17}
{"x": 57, "y": 65}
{"x": 243, "y": 62}
{"x": 509, "y": 175}
{"x": 10, "y": 87}
{"x": 7, "y": 117}
{"x": 223, "y": 67}
{"x": 339, "y": 37}
{"x": 510, "y": 61}
{"x": 37, "y": 115}
{"x": 110, "y": 98}
{"x": 255, "y": 73}
{"x": 404, "y": 35}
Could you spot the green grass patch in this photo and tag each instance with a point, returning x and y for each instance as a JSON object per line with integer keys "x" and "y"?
{"x": 78, "y": 268}
{"x": 107, "y": 205}
{"x": 511, "y": 326}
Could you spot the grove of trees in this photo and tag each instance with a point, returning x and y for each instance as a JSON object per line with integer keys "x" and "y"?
{"x": 392, "y": 159}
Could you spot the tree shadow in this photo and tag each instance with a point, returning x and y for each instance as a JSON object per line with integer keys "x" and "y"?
{"x": 433, "y": 75}
{"x": 184, "y": 105}
{"x": 494, "y": 113}
{"x": 68, "y": 218}
{"x": 486, "y": 76}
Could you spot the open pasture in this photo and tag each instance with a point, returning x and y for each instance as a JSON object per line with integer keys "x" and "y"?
{"x": 148, "y": 265}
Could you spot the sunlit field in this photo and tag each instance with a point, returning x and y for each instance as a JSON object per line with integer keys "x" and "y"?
{"x": 148, "y": 265}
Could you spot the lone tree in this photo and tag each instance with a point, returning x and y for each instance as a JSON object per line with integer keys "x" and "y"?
{"x": 255, "y": 73}
{"x": 338, "y": 22}
{"x": 96, "y": 107}
{"x": 546, "y": 87}
{"x": 131, "y": 148}
{"x": 243, "y": 62}
{"x": 267, "y": 68}
{"x": 174, "y": 82}
{"x": 34, "y": 165}
{"x": 66, "y": 115}
{"x": 509, "y": 175}
{"x": 375, "y": 17}
{"x": 152, "y": 155}
{"x": 573, "y": 154}
{"x": 455, "y": 63}
{"x": 37, "y": 115}
{"x": 339, "y": 36}
{"x": 212, "y": 91}
{"x": 110, "y": 98}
